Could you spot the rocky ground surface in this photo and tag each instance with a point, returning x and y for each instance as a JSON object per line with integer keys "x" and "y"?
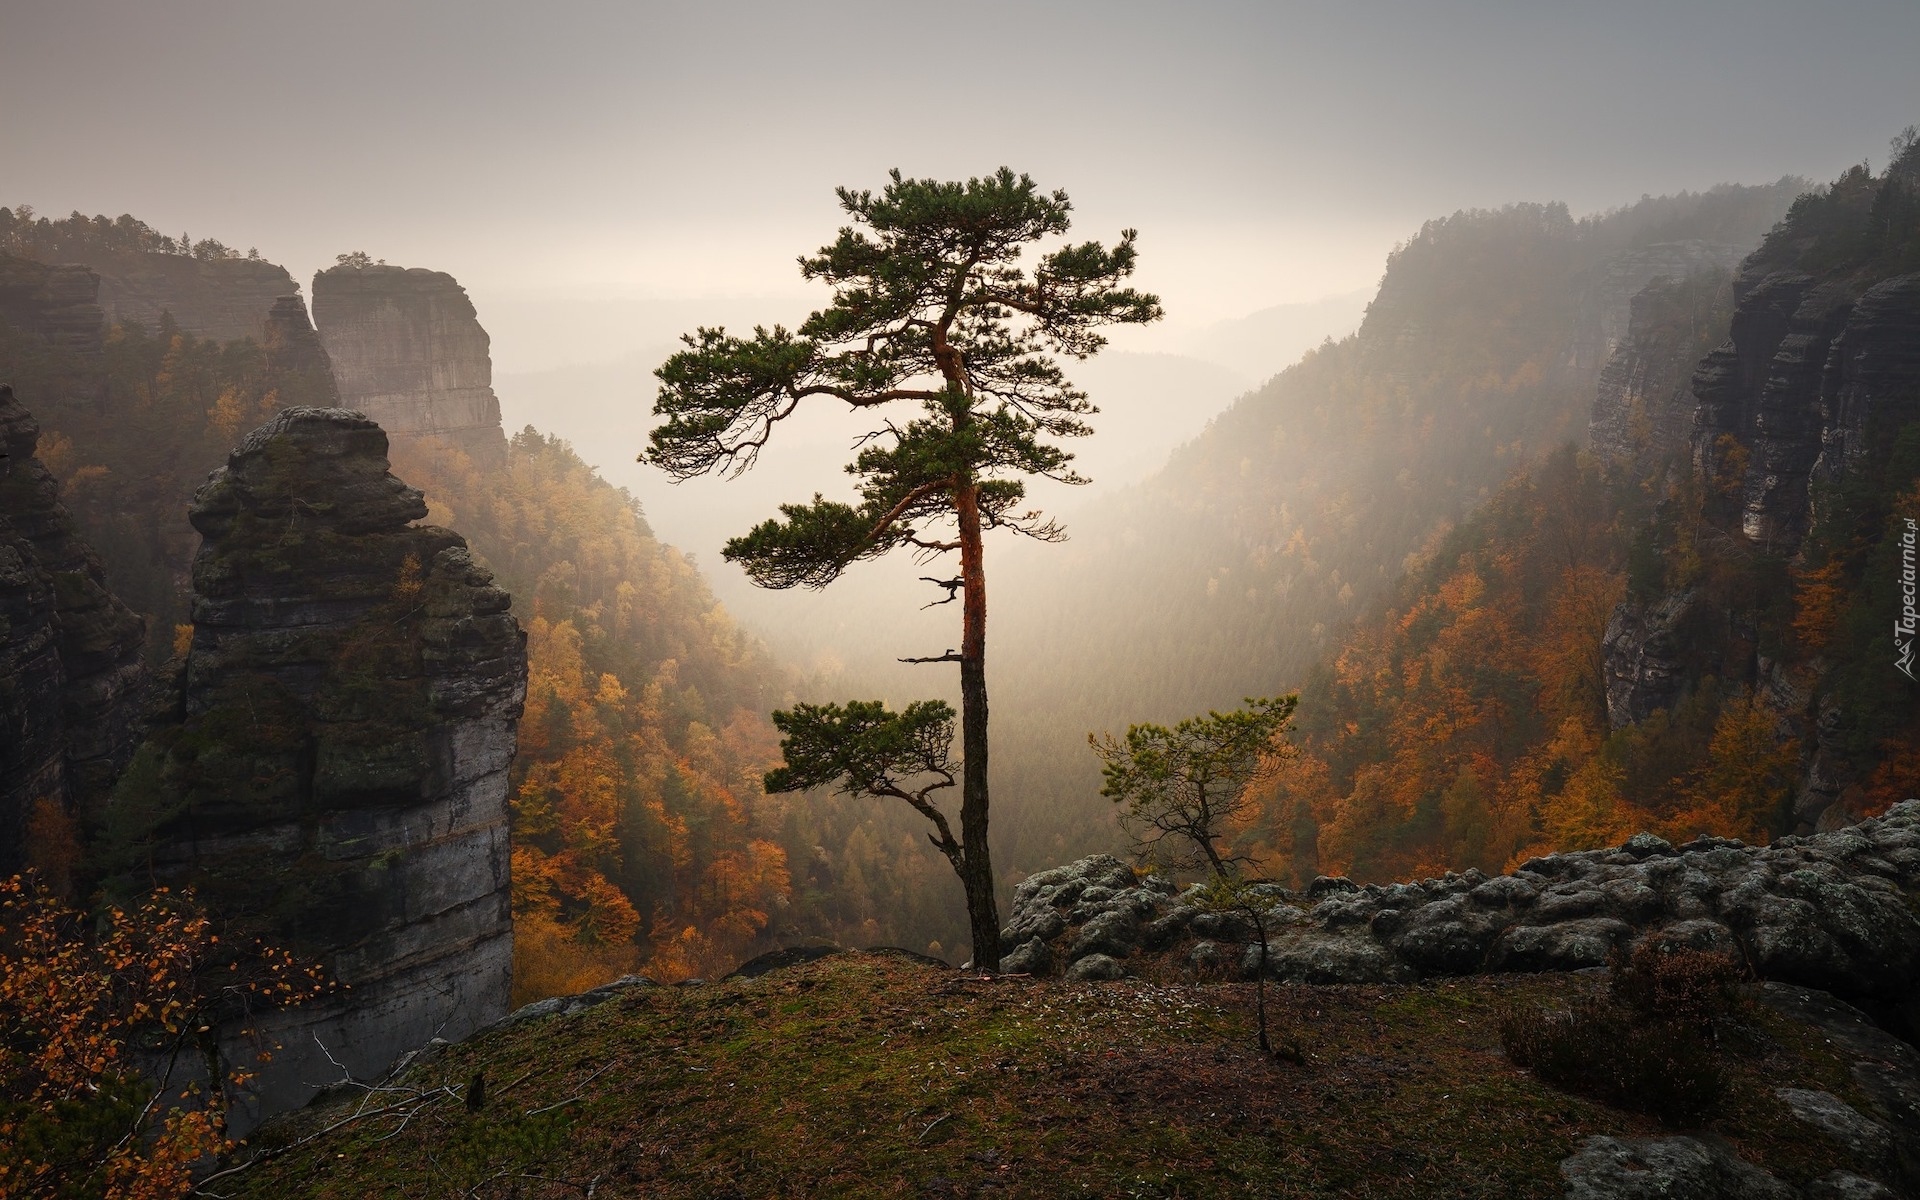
{"x": 1882, "y": 1135}
{"x": 1113, "y": 1056}
{"x": 828, "y": 1072}
{"x": 1834, "y": 911}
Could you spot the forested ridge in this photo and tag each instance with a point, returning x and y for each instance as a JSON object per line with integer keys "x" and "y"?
{"x": 1464, "y": 722}
{"x": 1467, "y": 725}
{"x": 1242, "y": 562}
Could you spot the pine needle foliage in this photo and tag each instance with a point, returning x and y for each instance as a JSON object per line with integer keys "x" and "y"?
{"x": 939, "y": 330}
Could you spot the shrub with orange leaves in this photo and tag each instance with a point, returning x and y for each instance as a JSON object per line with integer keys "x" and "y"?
{"x": 107, "y": 1021}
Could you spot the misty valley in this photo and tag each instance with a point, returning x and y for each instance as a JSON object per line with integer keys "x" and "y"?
{"x": 1456, "y": 741}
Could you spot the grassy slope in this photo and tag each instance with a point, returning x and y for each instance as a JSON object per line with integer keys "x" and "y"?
{"x": 872, "y": 1075}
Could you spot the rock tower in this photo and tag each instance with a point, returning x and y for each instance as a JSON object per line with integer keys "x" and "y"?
{"x": 334, "y": 770}
{"x": 408, "y": 351}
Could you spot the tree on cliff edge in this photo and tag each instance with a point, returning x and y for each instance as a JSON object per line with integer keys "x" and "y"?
{"x": 931, "y": 310}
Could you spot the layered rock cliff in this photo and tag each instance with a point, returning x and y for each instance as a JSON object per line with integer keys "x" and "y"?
{"x": 408, "y": 350}
{"x": 1870, "y": 382}
{"x": 334, "y": 770}
{"x": 1643, "y": 407}
{"x": 59, "y": 303}
{"x": 1823, "y": 361}
{"x": 225, "y": 299}
{"x": 71, "y": 671}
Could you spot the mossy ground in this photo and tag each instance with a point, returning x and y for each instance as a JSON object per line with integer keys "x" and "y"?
{"x": 874, "y": 1075}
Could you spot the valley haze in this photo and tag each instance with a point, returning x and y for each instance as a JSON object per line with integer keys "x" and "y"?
{"x": 495, "y": 548}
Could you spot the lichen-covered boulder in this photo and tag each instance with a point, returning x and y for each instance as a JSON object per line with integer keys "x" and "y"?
{"x": 1607, "y": 1168}
{"x": 1836, "y": 911}
{"x": 1096, "y": 966}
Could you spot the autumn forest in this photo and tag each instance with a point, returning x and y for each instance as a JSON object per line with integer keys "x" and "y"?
{"x": 1452, "y": 670}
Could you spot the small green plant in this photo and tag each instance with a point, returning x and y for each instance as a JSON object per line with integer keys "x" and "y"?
{"x": 1231, "y": 894}
{"x": 1649, "y": 1044}
{"x": 1184, "y": 788}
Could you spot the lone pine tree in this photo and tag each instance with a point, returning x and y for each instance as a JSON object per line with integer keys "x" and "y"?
{"x": 931, "y": 309}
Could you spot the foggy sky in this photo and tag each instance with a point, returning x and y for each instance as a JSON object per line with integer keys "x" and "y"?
{"x": 553, "y": 154}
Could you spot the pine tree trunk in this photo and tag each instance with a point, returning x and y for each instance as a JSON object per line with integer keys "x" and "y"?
{"x": 983, "y": 913}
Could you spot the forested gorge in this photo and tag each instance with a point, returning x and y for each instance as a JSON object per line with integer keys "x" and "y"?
{"x": 643, "y": 840}
{"x": 1243, "y": 562}
{"x": 1468, "y": 725}
{"x": 1386, "y": 525}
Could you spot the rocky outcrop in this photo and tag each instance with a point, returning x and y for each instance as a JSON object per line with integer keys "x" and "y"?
{"x": 334, "y": 774}
{"x": 71, "y": 671}
{"x": 295, "y": 356}
{"x": 1881, "y": 1137}
{"x": 1607, "y": 316}
{"x": 1646, "y": 650}
{"x": 59, "y": 304}
{"x": 1835, "y": 911}
{"x": 1643, "y": 408}
{"x": 1653, "y": 1168}
{"x": 408, "y": 350}
{"x": 225, "y": 299}
{"x": 1811, "y": 369}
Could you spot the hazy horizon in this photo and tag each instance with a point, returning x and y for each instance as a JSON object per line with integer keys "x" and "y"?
{"x": 602, "y": 178}
{"x": 673, "y": 159}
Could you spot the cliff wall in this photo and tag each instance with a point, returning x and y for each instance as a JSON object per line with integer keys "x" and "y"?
{"x": 1607, "y": 314}
{"x": 408, "y": 350}
{"x": 333, "y": 774}
{"x": 1643, "y": 408}
{"x": 1822, "y": 365}
{"x": 71, "y": 671}
{"x": 222, "y": 298}
{"x": 59, "y": 304}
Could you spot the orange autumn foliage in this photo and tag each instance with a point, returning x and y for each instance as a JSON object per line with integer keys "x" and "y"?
{"x": 105, "y": 1021}
{"x": 637, "y": 808}
{"x": 1468, "y": 727}
{"x": 638, "y": 811}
